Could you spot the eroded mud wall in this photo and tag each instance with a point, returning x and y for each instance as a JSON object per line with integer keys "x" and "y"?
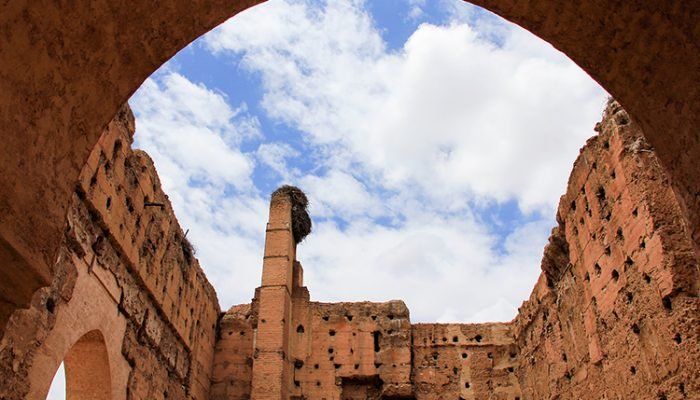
{"x": 123, "y": 243}
{"x": 464, "y": 361}
{"x": 615, "y": 312}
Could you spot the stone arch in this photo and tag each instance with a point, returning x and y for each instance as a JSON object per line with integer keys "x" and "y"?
{"x": 87, "y": 369}
{"x": 87, "y": 337}
{"x": 68, "y": 66}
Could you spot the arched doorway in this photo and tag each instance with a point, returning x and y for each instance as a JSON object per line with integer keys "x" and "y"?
{"x": 86, "y": 369}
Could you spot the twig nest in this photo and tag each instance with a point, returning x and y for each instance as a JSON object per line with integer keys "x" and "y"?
{"x": 301, "y": 221}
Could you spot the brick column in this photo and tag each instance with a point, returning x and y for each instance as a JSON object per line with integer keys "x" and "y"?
{"x": 271, "y": 366}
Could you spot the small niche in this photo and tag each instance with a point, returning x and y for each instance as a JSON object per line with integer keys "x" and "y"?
{"x": 50, "y": 305}
{"x": 668, "y": 304}
{"x": 573, "y": 205}
{"x": 455, "y": 339}
{"x": 587, "y": 277}
{"x": 464, "y": 355}
{"x": 325, "y": 318}
{"x": 600, "y": 194}
{"x": 349, "y": 317}
{"x": 478, "y": 338}
{"x": 597, "y": 269}
{"x": 635, "y": 329}
{"x": 390, "y": 316}
{"x": 300, "y": 329}
{"x": 330, "y": 350}
{"x": 337, "y": 366}
{"x": 298, "y": 364}
{"x": 318, "y": 383}
{"x": 108, "y": 204}
{"x": 242, "y": 333}
{"x": 455, "y": 370}
{"x": 630, "y": 297}
{"x": 435, "y": 355}
{"x": 619, "y": 235}
{"x": 564, "y": 357}
{"x": 331, "y": 332}
{"x": 594, "y": 165}
{"x": 635, "y": 212}
{"x": 377, "y": 335}
{"x": 511, "y": 369}
{"x": 615, "y": 275}
{"x": 633, "y": 370}
{"x": 607, "y": 251}
{"x": 613, "y": 174}
{"x": 646, "y": 278}
{"x": 467, "y": 385}
{"x": 374, "y": 317}
{"x": 315, "y": 366}
{"x": 357, "y": 366}
{"x": 606, "y": 145}
{"x": 489, "y": 355}
{"x": 677, "y": 338}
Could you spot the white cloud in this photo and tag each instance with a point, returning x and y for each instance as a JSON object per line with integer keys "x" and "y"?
{"x": 451, "y": 111}
{"x": 462, "y": 117}
{"x": 194, "y": 136}
{"x": 275, "y": 156}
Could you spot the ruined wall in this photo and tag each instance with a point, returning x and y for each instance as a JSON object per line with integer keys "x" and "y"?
{"x": 351, "y": 350}
{"x": 123, "y": 243}
{"x": 615, "y": 313}
{"x": 464, "y": 361}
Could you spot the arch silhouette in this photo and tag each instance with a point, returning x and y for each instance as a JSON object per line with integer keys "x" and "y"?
{"x": 68, "y": 66}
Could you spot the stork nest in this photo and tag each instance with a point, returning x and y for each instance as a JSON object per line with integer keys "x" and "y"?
{"x": 301, "y": 222}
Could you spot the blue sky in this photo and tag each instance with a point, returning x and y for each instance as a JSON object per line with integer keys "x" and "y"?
{"x": 433, "y": 140}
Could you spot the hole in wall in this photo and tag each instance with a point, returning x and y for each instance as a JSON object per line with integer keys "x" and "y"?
{"x": 667, "y": 303}
{"x": 635, "y": 329}
{"x": 300, "y": 328}
{"x": 50, "y": 305}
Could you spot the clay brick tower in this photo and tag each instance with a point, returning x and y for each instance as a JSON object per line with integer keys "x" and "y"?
{"x": 288, "y": 224}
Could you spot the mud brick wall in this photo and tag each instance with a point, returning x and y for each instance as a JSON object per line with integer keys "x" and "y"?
{"x": 614, "y": 314}
{"x": 351, "y": 350}
{"x": 123, "y": 243}
{"x": 165, "y": 294}
{"x": 232, "y": 372}
{"x": 464, "y": 361}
